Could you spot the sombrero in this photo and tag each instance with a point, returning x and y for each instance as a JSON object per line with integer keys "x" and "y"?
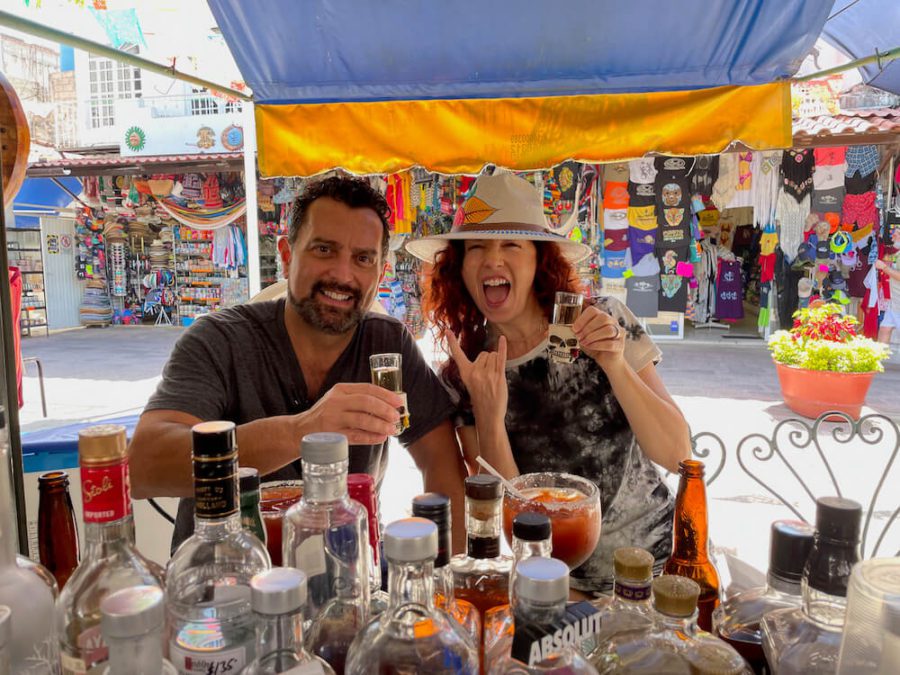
{"x": 502, "y": 206}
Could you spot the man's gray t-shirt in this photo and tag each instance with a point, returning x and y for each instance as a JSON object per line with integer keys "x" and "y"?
{"x": 239, "y": 365}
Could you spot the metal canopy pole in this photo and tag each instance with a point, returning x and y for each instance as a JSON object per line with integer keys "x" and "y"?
{"x": 252, "y": 218}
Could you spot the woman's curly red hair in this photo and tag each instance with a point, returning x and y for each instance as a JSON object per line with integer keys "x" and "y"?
{"x": 449, "y": 306}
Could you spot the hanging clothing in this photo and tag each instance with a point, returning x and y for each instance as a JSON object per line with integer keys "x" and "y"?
{"x": 766, "y": 185}
{"x": 748, "y": 166}
{"x": 862, "y": 160}
{"x": 705, "y": 175}
{"x": 830, "y": 156}
{"x": 797, "y": 169}
{"x": 705, "y": 272}
{"x": 729, "y": 290}
{"x": 642, "y": 170}
{"x": 857, "y": 185}
{"x": 790, "y": 216}
{"x": 859, "y": 210}
{"x": 726, "y": 185}
{"x": 641, "y": 194}
{"x": 673, "y": 287}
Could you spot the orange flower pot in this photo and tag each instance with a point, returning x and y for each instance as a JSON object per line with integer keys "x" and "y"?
{"x": 813, "y": 392}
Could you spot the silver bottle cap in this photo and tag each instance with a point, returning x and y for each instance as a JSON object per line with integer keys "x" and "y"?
{"x": 411, "y": 540}
{"x": 542, "y": 580}
{"x": 324, "y": 448}
{"x": 280, "y": 590}
{"x": 132, "y": 612}
{"x": 5, "y": 625}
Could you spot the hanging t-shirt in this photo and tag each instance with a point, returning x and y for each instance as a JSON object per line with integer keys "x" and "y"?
{"x": 617, "y": 172}
{"x": 614, "y": 263}
{"x": 796, "y": 170}
{"x": 642, "y": 229}
{"x": 705, "y": 174}
{"x": 672, "y": 193}
{"x": 674, "y": 228}
{"x": 642, "y": 170}
{"x": 641, "y": 194}
{"x": 859, "y": 185}
{"x": 828, "y": 201}
{"x": 615, "y": 196}
{"x": 856, "y": 287}
{"x": 830, "y": 156}
{"x": 828, "y": 177}
{"x": 729, "y": 290}
{"x": 642, "y": 295}
{"x": 669, "y": 168}
{"x": 862, "y": 160}
{"x": 673, "y": 287}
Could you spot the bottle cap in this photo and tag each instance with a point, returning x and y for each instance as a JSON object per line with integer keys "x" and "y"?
{"x": 361, "y": 487}
{"x": 51, "y": 479}
{"x": 542, "y": 580}
{"x": 675, "y": 595}
{"x": 411, "y": 540}
{"x": 132, "y": 612}
{"x": 431, "y": 505}
{"x": 789, "y": 548}
{"x": 5, "y": 626}
{"x": 280, "y": 590}
{"x": 249, "y": 478}
{"x": 214, "y": 440}
{"x": 101, "y": 443}
{"x": 483, "y": 486}
{"x": 838, "y": 518}
{"x": 711, "y": 656}
{"x": 531, "y": 526}
{"x": 324, "y": 448}
{"x": 633, "y": 563}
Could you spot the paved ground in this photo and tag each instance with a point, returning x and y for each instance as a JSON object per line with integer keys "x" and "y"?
{"x": 727, "y": 387}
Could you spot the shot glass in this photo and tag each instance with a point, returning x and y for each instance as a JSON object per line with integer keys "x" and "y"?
{"x": 387, "y": 373}
{"x": 564, "y": 346}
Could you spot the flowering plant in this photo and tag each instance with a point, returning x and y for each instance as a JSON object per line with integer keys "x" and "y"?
{"x": 823, "y": 338}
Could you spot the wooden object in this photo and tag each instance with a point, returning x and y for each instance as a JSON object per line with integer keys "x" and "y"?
{"x": 15, "y": 140}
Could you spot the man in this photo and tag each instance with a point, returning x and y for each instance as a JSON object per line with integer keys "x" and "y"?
{"x": 286, "y": 368}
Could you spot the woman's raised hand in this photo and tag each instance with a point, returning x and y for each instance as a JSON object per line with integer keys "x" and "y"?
{"x": 601, "y": 337}
{"x": 484, "y": 378}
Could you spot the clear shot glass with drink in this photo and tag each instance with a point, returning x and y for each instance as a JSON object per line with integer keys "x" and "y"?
{"x": 387, "y": 373}
{"x": 563, "y": 343}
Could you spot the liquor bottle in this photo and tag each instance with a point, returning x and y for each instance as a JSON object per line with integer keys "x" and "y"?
{"x": 57, "y": 532}
{"x": 412, "y": 635}
{"x": 326, "y": 535}
{"x": 132, "y": 622}
{"x": 5, "y": 639}
{"x": 481, "y": 575}
{"x": 361, "y": 489}
{"x": 278, "y": 597}
{"x": 690, "y": 540}
{"x": 807, "y": 639}
{"x": 630, "y": 608}
{"x": 436, "y": 508}
{"x": 737, "y": 619}
{"x": 530, "y": 539}
{"x": 251, "y": 517}
{"x": 110, "y": 561}
{"x": 543, "y": 640}
{"x": 211, "y": 624}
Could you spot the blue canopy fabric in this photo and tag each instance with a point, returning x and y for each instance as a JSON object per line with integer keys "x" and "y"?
{"x": 318, "y": 51}
{"x": 42, "y": 195}
{"x": 859, "y": 28}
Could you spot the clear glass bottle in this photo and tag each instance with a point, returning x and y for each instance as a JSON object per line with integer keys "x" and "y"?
{"x": 278, "y": 597}
{"x": 133, "y": 621}
{"x": 251, "y": 516}
{"x": 538, "y": 643}
{"x": 412, "y": 635}
{"x": 5, "y": 639}
{"x": 211, "y": 625}
{"x": 807, "y": 639}
{"x": 361, "y": 489}
{"x": 871, "y": 641}
{"x": 630, "y": 608}
{"x": 110, "y": 561}
{"x": 737, "y": 619}
{"x": 326, "y": 535}
{"x": 530, "y": 539}
{"x": 57, "y": 531}
{"x": 436, "y": 508}
{"x": 27, "y": 588}
{"x": 690, "y": 540}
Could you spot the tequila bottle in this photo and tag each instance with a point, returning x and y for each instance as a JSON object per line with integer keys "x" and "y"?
{"x": 412, "y": 635}
{"x": 110, "y": 561}
{"x": 326, "y": 535}
{"x": 543, "y": 639}
{"x": 737, "y": 620}
{"x": 807, "y": 639}
{"x": 278, "y": 597}
{"x": 211, "y": 626}
{"x": 132, "y": 625}
{"x": 26, "y": 588}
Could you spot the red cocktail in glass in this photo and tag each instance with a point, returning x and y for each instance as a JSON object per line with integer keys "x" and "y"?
{"x": 275, "y": 498}
{"x": 573, "y": 505}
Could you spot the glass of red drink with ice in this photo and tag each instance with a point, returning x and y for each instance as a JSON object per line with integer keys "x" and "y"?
{"x": 573, "y": 505}
{"x": 275, "y": 498}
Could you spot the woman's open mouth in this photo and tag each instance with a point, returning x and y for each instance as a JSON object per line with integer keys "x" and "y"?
{"x": 496, "y": 291}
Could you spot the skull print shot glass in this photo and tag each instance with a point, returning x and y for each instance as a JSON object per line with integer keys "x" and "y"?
{"x": 563, "y": 343}
{"x": 387, "y": 374}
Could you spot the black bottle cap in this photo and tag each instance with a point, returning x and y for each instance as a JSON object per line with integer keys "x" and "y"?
{"x": 838, "y": 519}
{"x": 213, "y": 440}
{"x": 431, "y": 505}
{"x": 483, "y": 486}
{"x": 789, "y": 548}
{"x": 531, "y": 526}
{"x": 249, "y": 478}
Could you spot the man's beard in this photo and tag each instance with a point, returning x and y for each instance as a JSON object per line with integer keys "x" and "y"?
{"x": 330, "y": 320}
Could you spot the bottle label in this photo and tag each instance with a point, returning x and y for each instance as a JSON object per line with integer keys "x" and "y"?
{"x": 633, "y": 593}
{"x": 535, "y": 642}
{"x": 188, "y": 662}
{"x": 105, "y": 492}
{"x": 73, "y": 666}
{"x": 216, "y": 497}
{"x": 311, "y": 556}
{"x": 403, "y": 423}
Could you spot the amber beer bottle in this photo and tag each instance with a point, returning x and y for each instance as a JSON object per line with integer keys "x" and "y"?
{"x": 690, "y": 538}
{"x": 57, "y": 532}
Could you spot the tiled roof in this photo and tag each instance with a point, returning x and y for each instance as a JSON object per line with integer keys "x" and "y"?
{"x": 881, "y": 121}
{"x": 112, "y": 160}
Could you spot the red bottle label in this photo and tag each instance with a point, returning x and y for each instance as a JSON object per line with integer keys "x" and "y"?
{"x": 105, "y": 493}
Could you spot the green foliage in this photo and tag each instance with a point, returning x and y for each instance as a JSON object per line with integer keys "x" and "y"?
{"x": 824, "y": 339}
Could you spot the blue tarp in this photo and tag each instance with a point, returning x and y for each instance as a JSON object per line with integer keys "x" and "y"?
{"x": 859, "y": 28}
{"x": 335, "y": 50}
{"x": 42, "y": 192}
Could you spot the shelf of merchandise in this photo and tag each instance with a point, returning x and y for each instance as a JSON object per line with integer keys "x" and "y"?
{"x": 195, "y": 272}
{"x": 22, "y": 253}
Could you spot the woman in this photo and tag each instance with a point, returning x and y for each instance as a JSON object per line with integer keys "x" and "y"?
{"x": 889, "y": 264}
{"x": 605, "y": 417}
